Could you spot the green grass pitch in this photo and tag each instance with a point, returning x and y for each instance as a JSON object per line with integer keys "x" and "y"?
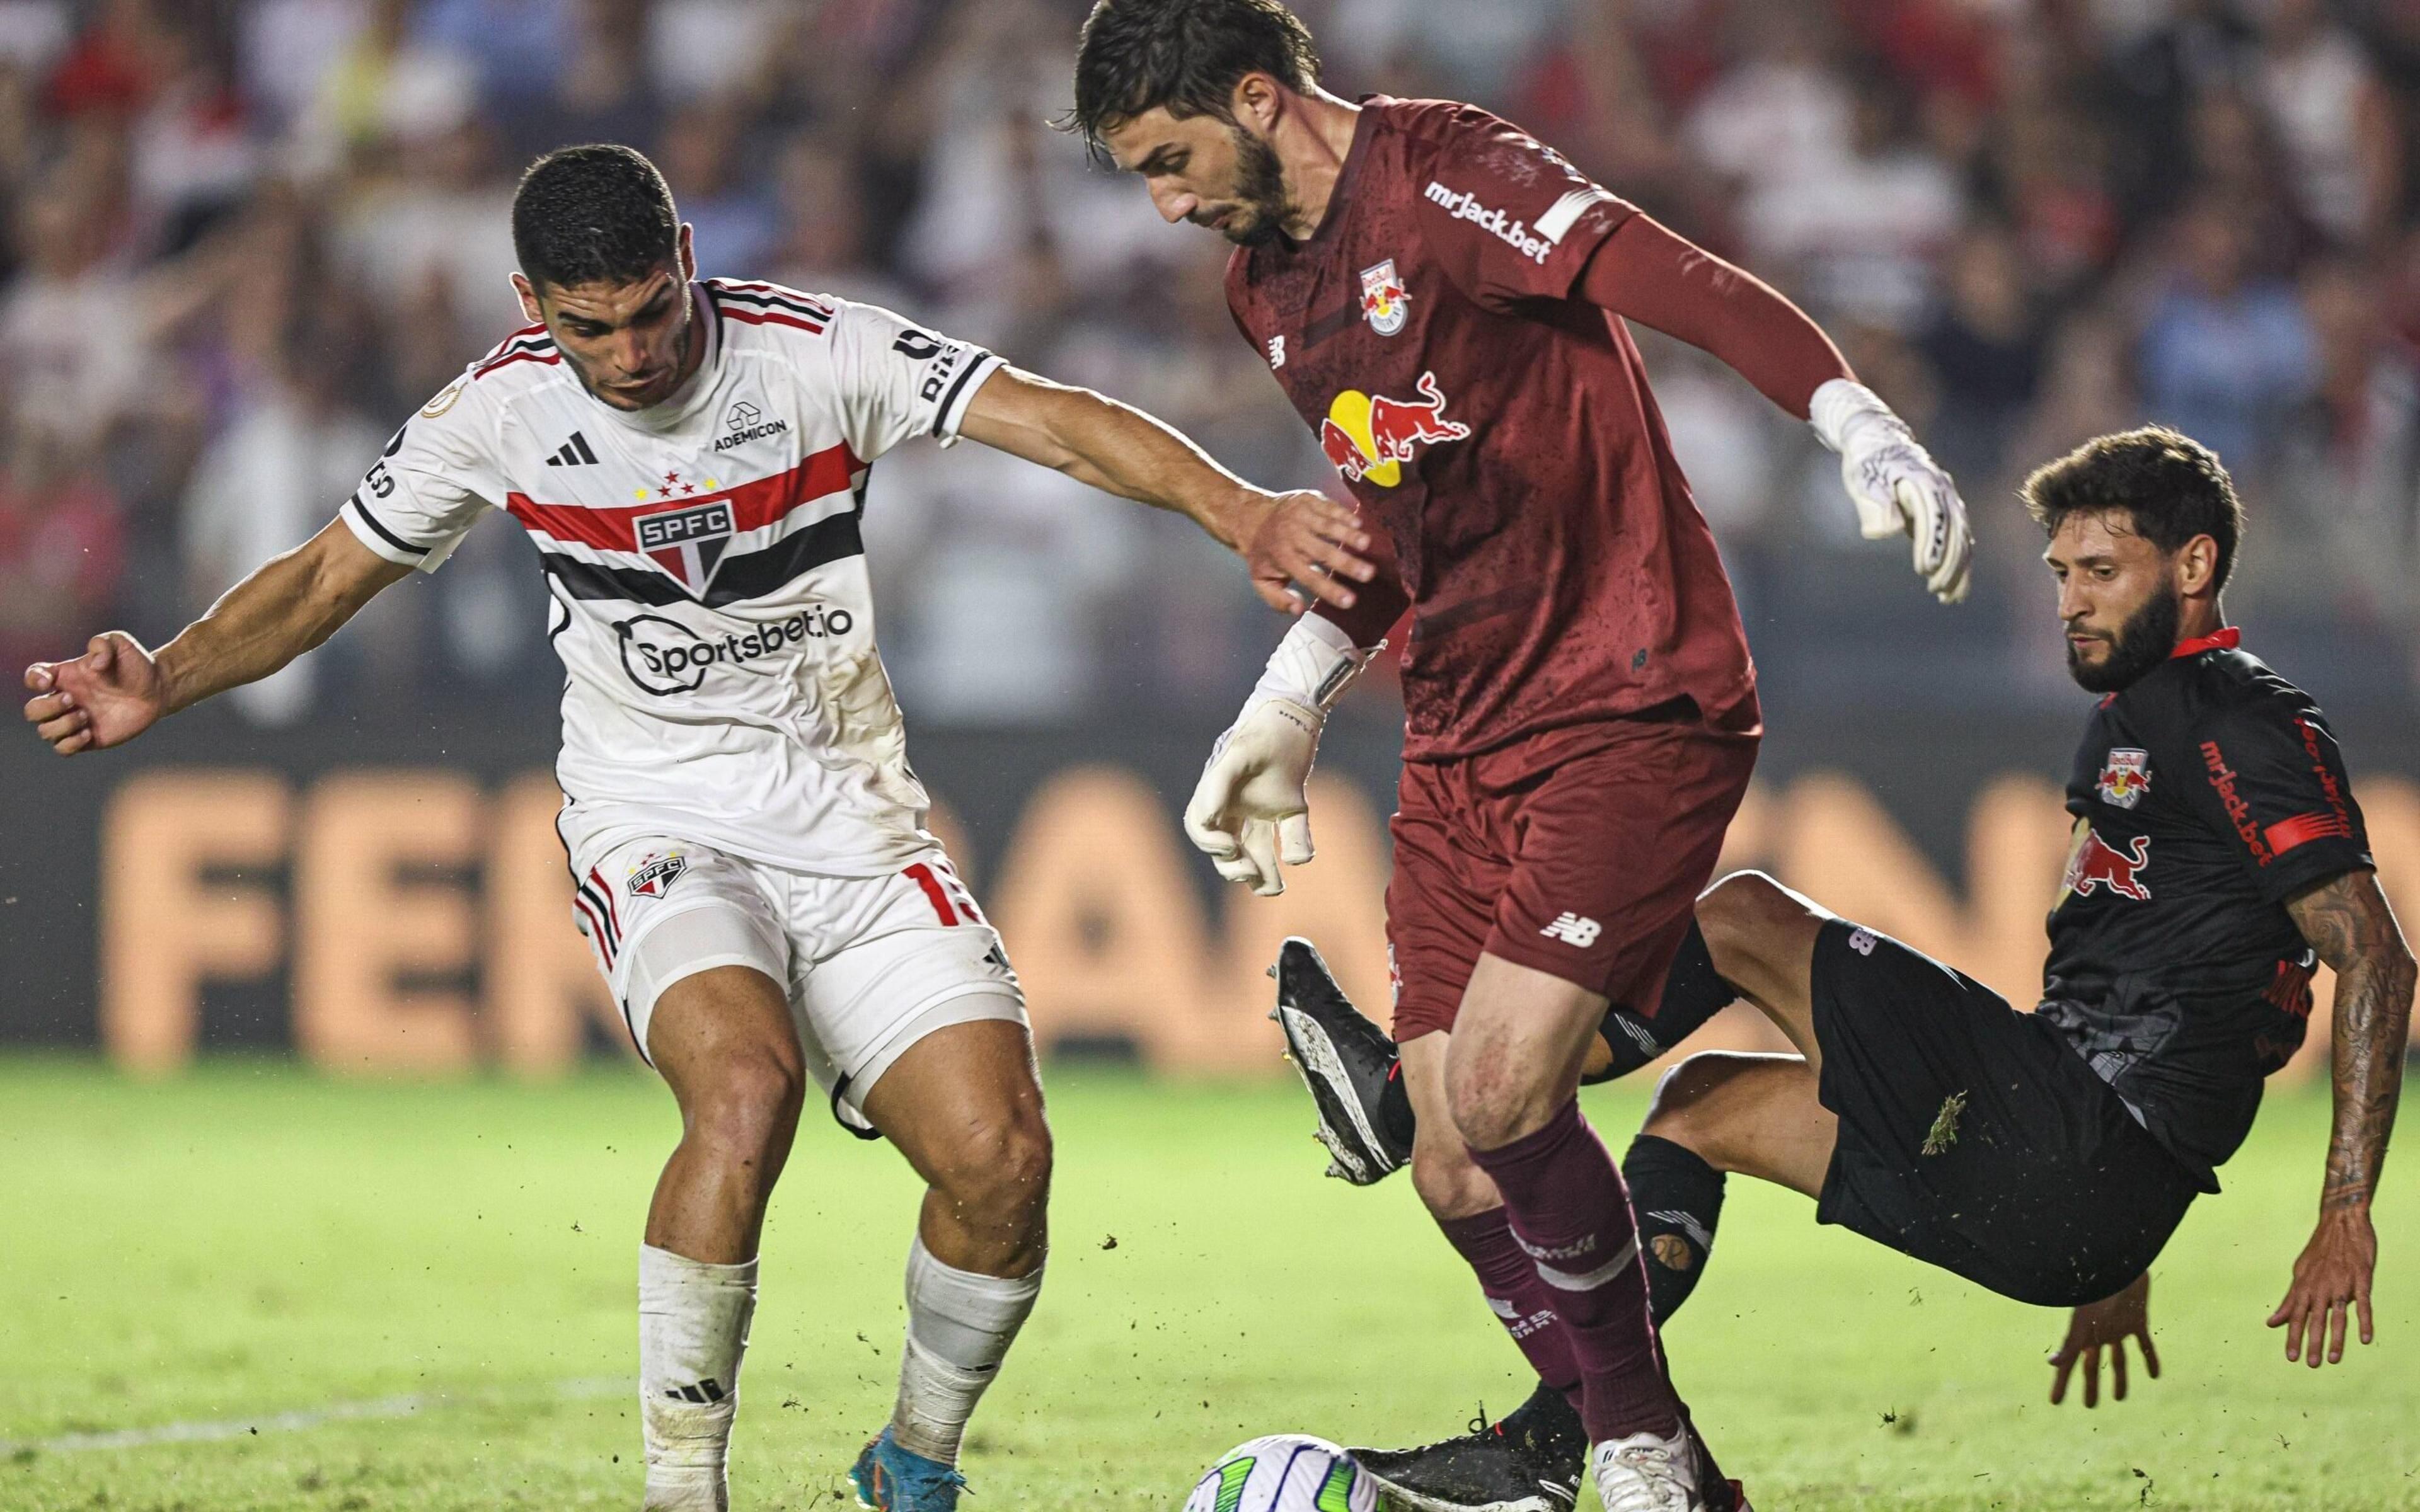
{"x": 249, "y": 1246}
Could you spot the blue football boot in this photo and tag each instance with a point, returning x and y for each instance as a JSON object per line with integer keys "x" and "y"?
{"x": 889, "y": 1479}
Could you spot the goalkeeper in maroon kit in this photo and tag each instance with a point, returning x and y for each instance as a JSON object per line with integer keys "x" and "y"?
{"x": 1442, "y": 297}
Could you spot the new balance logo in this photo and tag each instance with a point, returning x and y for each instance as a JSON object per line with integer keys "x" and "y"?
{"x": 704, "y": 1393}
{"x": 1572, "y": 929}
{"x": 575, "y": 453}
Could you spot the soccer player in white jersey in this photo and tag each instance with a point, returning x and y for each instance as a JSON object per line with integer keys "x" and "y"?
{"x": 746, "y": 837}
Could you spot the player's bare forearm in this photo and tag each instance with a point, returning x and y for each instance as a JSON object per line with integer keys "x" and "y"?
{"x": 2349, "y": 923}
{"x": 1110, "y": 446}
{"x": 1300, "y": 537}
{"x": 290, "y": 604}
{"x": 116, "y": 689}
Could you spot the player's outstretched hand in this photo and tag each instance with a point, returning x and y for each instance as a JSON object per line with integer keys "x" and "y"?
{"x": 2331, "y": 1281}
{"x": 1308, "y": 538}
{"x": 2108, "y": 1323}
{"x": 1249, "y": 812}
{"x": 104, "y": 698}
{"x": 1900, "y": 490}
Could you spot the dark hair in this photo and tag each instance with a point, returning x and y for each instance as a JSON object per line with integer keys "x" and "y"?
{"x": 1186, "y": 54}
{"x": 2172, "y": 487}
{"x": 593, "y": 214}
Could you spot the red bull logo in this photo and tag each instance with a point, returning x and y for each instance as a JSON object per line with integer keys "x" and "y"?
{"x": 1384, "y": 299}
{"x": 1370, "y": 439}
{"x": 2125, "y": 777}
{"x": 2095, "y": 865}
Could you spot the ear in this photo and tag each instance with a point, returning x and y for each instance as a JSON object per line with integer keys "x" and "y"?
{"x": 688, "y": 255}
{"x": 2197, "y": 567}
{"x": 528, "y": 296}
{"x": 1258, "y": 101}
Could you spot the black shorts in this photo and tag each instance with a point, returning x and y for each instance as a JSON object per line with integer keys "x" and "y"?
{"x": 1971, "y": 1136}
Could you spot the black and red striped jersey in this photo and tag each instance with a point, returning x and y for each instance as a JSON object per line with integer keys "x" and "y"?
{"x": 711, "y": 603}
{"x": 2205, "y": 795}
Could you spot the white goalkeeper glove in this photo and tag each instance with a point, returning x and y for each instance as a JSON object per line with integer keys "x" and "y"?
{"x": 1898, "y": 488}
{"x": 1249, "y": 812}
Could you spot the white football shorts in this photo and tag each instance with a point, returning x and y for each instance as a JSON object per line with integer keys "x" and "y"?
{"x": 872, "y": 965}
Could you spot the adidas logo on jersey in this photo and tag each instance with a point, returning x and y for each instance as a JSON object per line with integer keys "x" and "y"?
{"x": 575, "y": 453}
{"x": 1572, "y": 929}
{"x": 704, "y": 1393}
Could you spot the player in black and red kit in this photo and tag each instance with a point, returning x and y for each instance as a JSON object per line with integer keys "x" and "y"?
{"x": 1442, "y": 297}
{"x": 2217, "y": 857}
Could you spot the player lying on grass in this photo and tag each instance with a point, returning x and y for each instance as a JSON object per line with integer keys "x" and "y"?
{"x": 1442, "y": 297}
{"x": 2218, "y": 855}
{"x": 746, "y": 838}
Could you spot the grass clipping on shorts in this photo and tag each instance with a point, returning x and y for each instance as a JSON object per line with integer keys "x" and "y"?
{"x": 1944, "y": 1132}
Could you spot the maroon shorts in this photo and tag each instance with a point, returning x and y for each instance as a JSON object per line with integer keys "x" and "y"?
{"x": 1580, "y": 852}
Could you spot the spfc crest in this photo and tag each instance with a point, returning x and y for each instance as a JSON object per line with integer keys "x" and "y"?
{"x": 1384, "y": 302}
{"x": 688, "y": 544}
{"x": 2126, "y": 778}
{"x": 655, "y": 874}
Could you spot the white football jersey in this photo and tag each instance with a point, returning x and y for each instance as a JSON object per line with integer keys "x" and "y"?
{"x": 712, "y": 602}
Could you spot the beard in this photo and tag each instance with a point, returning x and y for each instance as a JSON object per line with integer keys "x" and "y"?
{"x": 1260, "y": 193}
{"x": 2146, "y": 639}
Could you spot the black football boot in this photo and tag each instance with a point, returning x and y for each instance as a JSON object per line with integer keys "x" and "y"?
{"x": 1532, "y": 1461}
{"x": 1347, "y": 1062}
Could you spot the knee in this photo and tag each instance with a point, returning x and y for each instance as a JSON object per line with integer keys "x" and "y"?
{"x": 1450, "y": 1186}
{"x": 998, "y": 1165}
{"x": 1689, "y": 1103}
{"x": 1738, "y": 917}
{"x": 1490, "y": 1108}
{"x": 750, "y": 1099}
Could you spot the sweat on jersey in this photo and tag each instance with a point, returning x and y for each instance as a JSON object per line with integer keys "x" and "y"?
{"x": 2205, "y": 794}
{"x": 711, "y": 603}
{"x": 1501, "y": 432}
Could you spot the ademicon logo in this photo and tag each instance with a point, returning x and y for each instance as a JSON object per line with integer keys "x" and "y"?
{"x": 744, "y": 423}
{"x": 663, "y": 656}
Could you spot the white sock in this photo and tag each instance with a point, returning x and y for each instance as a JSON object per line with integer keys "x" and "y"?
{"x": 693, "y": 1321}
{"x": 959, "y": 1327}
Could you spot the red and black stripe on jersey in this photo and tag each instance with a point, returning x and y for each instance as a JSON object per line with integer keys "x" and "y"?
{"x": 530, "y": 343}
{"x": 738, "y": 576}
{"x": 768, "y": 304}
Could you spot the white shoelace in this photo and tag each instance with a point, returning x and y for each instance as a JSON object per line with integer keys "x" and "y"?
{"x": 1642, "y": 1478}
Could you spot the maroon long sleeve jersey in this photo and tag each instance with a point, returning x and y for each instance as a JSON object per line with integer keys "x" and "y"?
{"x": 1498, "y": 428}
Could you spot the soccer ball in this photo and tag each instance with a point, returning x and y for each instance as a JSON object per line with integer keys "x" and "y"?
{"x": 1284, "y": 1472}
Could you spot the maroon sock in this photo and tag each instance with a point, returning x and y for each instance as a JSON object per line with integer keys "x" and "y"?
{"x": 1521, "y": 1301}
{"x": 1570, "y": 1213}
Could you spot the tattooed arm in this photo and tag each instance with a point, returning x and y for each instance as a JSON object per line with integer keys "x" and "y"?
{"x": 2348, "y": 922}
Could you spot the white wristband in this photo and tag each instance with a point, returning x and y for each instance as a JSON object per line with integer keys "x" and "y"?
{"x": 1311, "y": 665}
{"x": 1842, "y": 407}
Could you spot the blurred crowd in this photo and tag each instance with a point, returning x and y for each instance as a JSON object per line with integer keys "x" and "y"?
{"x": 248, "y": 236}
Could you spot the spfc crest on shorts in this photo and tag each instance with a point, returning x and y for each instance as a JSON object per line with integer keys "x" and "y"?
{"x": 2126, "y": 778}
{"x": 655, "y": 874}
{"x": 1384, "y": 302}
{"x": 688, "y": 544}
